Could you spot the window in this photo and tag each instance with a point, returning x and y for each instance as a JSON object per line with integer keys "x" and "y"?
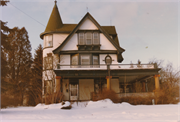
{"x": 48, "y": 62}
{"x": 88, "y": 38}
{"x": 74, "y": 60}
{"x": 95, "y": 38}
{"x": 81, "y": 38}
{"x": 48, "y": 41}
{"x": 85, "y": 59}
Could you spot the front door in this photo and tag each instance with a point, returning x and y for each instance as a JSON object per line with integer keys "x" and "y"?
{"x": 73, "y": 91}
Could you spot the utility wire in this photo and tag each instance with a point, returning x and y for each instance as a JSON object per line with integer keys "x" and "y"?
{"x": 27, "y": 14}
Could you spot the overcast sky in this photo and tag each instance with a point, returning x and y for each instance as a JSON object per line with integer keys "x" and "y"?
{"x": 146, "y": 29}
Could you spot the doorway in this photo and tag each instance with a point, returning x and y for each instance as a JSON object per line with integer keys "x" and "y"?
{"x": 73, "y": 91}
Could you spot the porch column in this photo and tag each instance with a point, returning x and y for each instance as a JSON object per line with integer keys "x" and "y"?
{"x": 108, "y": 82}
{"x": 58, "y": 82}
{"x": 156, "y": 77}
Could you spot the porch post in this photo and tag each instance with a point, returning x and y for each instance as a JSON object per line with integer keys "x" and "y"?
{"x": 58, "y": 83}
{"x": 108, "y": 82}
{"x": 156, "y": 77}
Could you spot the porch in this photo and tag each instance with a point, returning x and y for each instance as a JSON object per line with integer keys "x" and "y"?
{"x": 80, "y": 81}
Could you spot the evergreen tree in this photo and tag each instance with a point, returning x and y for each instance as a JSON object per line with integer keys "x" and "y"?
{"x": 19, "y": 61}
{"x": 4, "y": 48}
{"x": 35, "y": 91}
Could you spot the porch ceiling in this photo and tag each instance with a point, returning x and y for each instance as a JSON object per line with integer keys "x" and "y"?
{"x": 128, "y": 75}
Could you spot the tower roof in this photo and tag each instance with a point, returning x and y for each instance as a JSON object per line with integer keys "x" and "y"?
{"x": 55, "y": 21}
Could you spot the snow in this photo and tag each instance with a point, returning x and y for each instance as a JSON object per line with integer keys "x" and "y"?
{"x": 99, "y": 111}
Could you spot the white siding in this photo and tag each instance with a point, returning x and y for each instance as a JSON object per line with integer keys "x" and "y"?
{"x": 105, "y": 43}
{"x": 71, "y": 44}
{"x": 58, "y": 39}
{"x": 88, "y": 25}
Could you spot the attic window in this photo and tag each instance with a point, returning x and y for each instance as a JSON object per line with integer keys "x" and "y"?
{"x": 95, "y": 38}
{"x": 88, "y": 38}
{"x": 81, "y": 38}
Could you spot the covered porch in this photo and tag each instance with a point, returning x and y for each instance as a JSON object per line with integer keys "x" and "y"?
{"x": 125, "y": 82}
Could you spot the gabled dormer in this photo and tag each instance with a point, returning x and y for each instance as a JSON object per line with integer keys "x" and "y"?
{"x": 88, "y": 35}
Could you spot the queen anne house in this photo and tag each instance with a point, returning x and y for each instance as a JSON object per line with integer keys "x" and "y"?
{"x": 74, "y": 61}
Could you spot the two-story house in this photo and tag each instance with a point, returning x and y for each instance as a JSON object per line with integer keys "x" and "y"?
{"x": 74, "y": 60}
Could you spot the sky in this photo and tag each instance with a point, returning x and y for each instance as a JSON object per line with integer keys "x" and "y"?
{"x": 147, "y": 29}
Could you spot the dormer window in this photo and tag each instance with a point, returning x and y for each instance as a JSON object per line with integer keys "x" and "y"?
{"x": 81, "y": 38}
{"x": 88, "y": 38}
{"x": 48, "y": 41}
{"x": 95, "y": 38}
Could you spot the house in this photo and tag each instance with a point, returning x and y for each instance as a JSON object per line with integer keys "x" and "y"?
{"x": 75, "y": 57}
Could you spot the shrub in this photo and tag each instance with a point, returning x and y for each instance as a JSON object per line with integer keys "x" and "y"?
{"x": 137, "y": 100}
{"x": 107, "y": 94}
{"x": 9, "y": 101}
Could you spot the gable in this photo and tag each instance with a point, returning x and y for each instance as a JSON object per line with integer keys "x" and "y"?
{"x": 71, "y": 44}
{"x": 105, "y": 43}
{"x": 88, "y": 25}
{"x": 83, "y": 24}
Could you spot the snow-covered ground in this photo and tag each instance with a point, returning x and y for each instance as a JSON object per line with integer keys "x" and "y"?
{"x": 100, "y": 111}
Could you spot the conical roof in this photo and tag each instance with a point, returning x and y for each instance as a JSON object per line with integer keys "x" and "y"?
{"x": 55, "y": 21}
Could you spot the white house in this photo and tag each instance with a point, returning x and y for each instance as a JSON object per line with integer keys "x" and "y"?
{"x": 74, "y": 60}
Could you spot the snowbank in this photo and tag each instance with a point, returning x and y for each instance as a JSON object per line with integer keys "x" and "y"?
{"x": 101, "y": 111}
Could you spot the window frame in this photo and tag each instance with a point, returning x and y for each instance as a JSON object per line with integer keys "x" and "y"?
{"x": 98, "y": 38}
{"x": 92, "y": 36}
{"x": 79, "y": 38}
{"x": 88, "y": 38}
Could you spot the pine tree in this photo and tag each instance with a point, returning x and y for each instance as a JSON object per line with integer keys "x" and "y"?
{"x": 19, "y": 61}
{"x": 35, "y": 91}
{"x": 4, "y": 48}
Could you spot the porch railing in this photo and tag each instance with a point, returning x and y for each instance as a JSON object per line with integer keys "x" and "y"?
{"x": 104, "y": 66}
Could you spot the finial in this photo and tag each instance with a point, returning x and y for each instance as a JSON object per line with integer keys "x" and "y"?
{"x": 55, "y": 1}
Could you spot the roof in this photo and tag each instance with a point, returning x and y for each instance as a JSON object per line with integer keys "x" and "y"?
{"x": 111, "y": 31}
{"x": 55, "y": 21}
